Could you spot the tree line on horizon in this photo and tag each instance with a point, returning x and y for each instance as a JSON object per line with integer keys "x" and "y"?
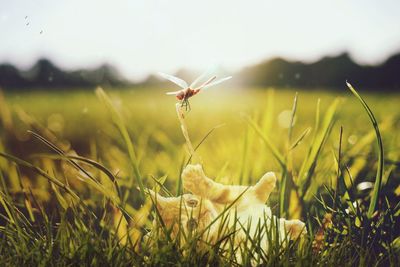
{"x": 326, "y": 73}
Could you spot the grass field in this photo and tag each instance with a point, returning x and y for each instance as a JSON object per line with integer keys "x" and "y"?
{"x": 60, "y": 209}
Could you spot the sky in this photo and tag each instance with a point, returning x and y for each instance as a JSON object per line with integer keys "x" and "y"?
{"x": 145, "y": 36}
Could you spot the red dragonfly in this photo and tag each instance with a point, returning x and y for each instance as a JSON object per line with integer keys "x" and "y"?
{"x": 188, "y": 91}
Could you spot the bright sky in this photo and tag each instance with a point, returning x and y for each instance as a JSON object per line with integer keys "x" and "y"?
{"x": 146, "y": 36}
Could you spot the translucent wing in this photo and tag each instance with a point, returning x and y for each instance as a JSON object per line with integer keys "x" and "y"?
{"x": 207, "y": 82}
{"x": 172, "y": 93}
{"x": 216, "y": 82}
{"x": 202, "y": 77}
{"x": 181, "y": 83}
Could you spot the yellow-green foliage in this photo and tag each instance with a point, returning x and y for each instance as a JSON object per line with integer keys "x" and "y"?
{"x": 79, "y": 118}
{"x": 91, "y": 153}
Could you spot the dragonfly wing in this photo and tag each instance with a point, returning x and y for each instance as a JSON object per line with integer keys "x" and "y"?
{"x": 207, "y": 82}
{"x": 181, "y": 83}
{"x": 172, "y": 93}
{"x": 202, "y": 77}
{"x": 216, "y": 82}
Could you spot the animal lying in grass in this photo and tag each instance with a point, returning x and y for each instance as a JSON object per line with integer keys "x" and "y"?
{"x": 215, "y": 211}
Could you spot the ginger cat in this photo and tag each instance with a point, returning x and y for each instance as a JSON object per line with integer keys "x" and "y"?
{"x": 211, "y": 201}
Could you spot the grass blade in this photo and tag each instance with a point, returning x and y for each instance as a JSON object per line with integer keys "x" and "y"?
{"x": 48, "y": 177}
{"x": 118, "y": 121}
{"x": 308, "y": 167}
{"x": 285, "y": 188}
{"x": 379, "y": 171}
{"x": 275, "y": 152}
{"x": 300, "y": 138}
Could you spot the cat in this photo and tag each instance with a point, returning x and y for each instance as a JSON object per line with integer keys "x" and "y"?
{"x": 209, "y": 202}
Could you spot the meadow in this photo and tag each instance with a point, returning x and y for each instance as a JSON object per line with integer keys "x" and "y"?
{"x": 73, "y": 160}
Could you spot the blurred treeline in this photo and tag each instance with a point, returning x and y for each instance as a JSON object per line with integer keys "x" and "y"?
{"x": 328, "y": 73}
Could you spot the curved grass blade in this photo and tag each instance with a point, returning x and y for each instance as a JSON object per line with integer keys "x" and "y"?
{"x": 379, "y": 171}
{"x": 294, "y": 109}
{"x": 63, "y": 154}
{"x": 118, "y": 121}
{"x": 310, "y": 163}
{"x": 4, "y": 200}
{"x": 202, "y": 141}
{"x": 286, "y": 180}
{"x": 27, "y": 202}
{"x": 90, "y": 162}
{"x": 339, "y": 172}
{"x": 275, "y": 152}
{"x": 300, "y": 138}
{"x": 48, "y": 177}
{"x": 116, "y": 199}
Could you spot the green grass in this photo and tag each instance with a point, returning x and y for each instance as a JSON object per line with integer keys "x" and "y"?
{"x": 69, "y": 190}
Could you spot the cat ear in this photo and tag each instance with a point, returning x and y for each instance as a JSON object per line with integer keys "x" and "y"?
{"x": 295, "y": 228}
{"x": 264, "y": 187}
{"x": 158, "y": 199}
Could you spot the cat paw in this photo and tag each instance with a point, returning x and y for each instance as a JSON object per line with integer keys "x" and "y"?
{"x": 295, "y": 228}
{"x": 193, "y": 179}
{"x": 268, "y": 180}
{"x": 265, "y": 186}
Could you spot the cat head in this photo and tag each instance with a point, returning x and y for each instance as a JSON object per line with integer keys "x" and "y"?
{"x": 192, "y": 212}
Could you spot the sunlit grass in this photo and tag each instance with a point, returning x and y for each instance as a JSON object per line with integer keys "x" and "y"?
{"x": 62, "y": 208}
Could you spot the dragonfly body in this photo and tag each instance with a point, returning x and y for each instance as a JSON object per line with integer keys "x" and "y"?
{"x": 187, "y": 91}
{"x": 185, "y": 94}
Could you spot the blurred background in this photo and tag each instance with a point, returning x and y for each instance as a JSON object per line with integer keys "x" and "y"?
{"x": 307, "y": 44}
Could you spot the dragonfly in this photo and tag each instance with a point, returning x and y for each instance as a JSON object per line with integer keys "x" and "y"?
{"x": 187, "y": 91}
